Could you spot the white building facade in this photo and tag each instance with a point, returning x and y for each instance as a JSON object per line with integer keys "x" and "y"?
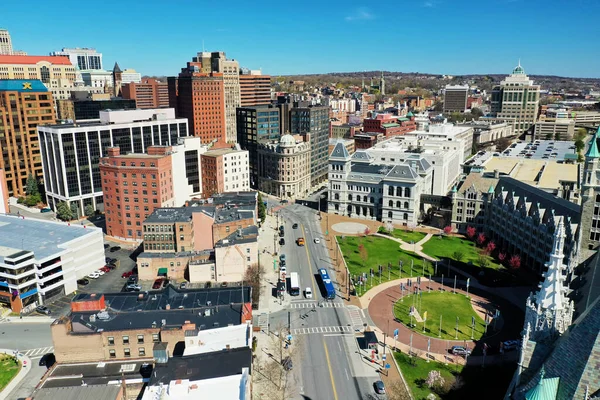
{"x": 83, "y": 58}
{"x": 71, "y": 152}
{"x": 185, "y": 156}
{"x": 130, "y": 76}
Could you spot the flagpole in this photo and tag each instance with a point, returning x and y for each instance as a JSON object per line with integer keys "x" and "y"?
{"x": 410, "y": 351}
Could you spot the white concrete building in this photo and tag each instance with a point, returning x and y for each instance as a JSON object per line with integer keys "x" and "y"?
{"x": 130, "y": 76}
{"x": 347, "y": 105}
{"x": 363, "y": 186}
{"x": 487, "y": 131}
{"x": 231, "y": 387}
{"x": 217, "y": 339}
{"x": 554, "y": 129}
{"x": 40, "y": 260}
{"x": 186, "y": 157}
{"x": 83, "y": 58}
{"x": 70, "y": 152}
{"x": 5, "y": 42}
{"x": 448, "y": 133}
{"x": 97, "y": 78}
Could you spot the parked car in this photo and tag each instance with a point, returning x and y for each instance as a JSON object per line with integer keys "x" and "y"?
{"x": 105, "y": 269}
{"x": 282, "y": 257}
{"x": 460, "y": 351}
{"x": 295, "y": 226}
{"x": 510, "y": 345}
{"x": 165, "y": 282}
{"x": 43, "y": 310}
{"x": 94, "y": 275}
{"x": 379, "y": 387}
{"x": 317, "y": 240}
{"x": 126, "y": 274}
{"x": 83, "y": 282}
{"x": 132, "y": 279}
{"x": 281, "y": 228}
{"x": 133, "y": 287}
{"x": 282, "y": 268}
{"x": 183, "y": 285}
{"x": 115, "y": 248}
{"x": 282, "y": 242}
{"x": 47, "y": 360}
{"x": 106, "y": 246}
{"x": 46, "y": 210}
{"x": 308, "y": 293}
{"x": 110, "y": 266}
{"x": 157, "y": 284}
{"x": 100, "y": 272}
{"x": 284, "y": 201}
{"x": 300, "y": 241}
{"x": 110, "y": 260}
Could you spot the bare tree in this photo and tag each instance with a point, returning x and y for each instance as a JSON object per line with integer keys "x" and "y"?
{"x": 253, "y": 277}
{"x": 396, "y": 390}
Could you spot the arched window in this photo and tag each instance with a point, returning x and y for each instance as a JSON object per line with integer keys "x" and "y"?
{"x": 406, "y": 204}
{"x": 349, "y": 208}
{"x": 370, "y": 211}
{"x": 365, "y": 199}
{"x": 364, "y": 211}
{"x": 398, "y": 204}
{"x": 336, "y": 196}
{"x": 407, "y": 192}
{"x": 349, "y": 197}
{"x": 390, "y": 190}
{"x": 390, "y": 215}
{"x": 405, "y": 216}
{"x": 399, "y": 191}
{"x": 391, "y": 204}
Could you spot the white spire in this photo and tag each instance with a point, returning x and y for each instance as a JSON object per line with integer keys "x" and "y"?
{"x": 552, "y": 294}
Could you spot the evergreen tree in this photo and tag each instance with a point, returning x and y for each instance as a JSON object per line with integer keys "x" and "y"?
{"x": 64, "y": 212}
{"x": 31, "y": 188}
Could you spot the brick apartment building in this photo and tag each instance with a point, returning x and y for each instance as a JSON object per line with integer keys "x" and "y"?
{"x": 149, "y": 93}
{"x": 389, "y": 125}
{"x": 122, "y": 326}
{"x": 255, "y": 89}
{"x": 225, "y": 170}
{"x": 133, "y": 186}
{"x": 24, "y": 104}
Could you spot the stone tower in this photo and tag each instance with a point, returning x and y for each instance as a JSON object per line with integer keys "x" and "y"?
{"x": 382, "y": 84}
{"x": 117, "y": 80}
{"x": 590, "y": 196}
{"x": 549, "y": 312}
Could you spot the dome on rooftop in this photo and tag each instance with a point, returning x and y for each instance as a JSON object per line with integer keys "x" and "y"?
{"x": 287, "y": 140}
{"x": 519, "y": 70}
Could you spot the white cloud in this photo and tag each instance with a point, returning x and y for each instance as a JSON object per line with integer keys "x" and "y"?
{"x": 360, "y": 14}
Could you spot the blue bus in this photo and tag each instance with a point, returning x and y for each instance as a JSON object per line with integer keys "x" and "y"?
{"x": 327, "y": 284}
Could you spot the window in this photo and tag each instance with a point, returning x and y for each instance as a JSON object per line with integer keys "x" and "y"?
{"x": 155, "y": 338}
{"x": 112, "y": 353}
{"x": 142, "y": 351}
{"x": 140, "y": 339}
{"x": 399, "y": 191}
{"x": 127, "y": 352}
{"x": 111, "y": 341}
{"x": 391, "y": 203}
{"x": 390, "y": 214}
{"x": 390, "y": 191}
{"x": 407, "y": 192}
{"x": 399, "y": 204}
{"x": 125, "y": 339}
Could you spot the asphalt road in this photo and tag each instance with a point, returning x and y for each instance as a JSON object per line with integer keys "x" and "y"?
{"x": 328, "y": 359}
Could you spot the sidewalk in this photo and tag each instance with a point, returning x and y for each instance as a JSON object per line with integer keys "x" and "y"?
{"x": 28, "y": 320}
{"x": 25, "y": 367}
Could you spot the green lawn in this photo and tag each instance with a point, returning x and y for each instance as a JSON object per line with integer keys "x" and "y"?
{"x": 8, "y": 370}
{"x": 444, "y": 304}
{"x": 415, "y": 372}
{"x": 408, "y": 236}
{"x": 447, "y": 246}
{"x": 379, "y": 251}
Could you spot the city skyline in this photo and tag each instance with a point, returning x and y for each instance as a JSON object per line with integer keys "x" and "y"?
{"x": 286, "y": 40}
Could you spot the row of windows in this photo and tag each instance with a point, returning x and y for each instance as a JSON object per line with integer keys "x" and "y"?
{"x": 140, "y": 339}
{"x": 127, "y": 352}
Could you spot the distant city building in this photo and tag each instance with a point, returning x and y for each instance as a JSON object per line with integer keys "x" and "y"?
{"x": 5, "y": 42}
{"x": 313, "y": 121}
{"x": 149, "y": 93}
{"x": 590, "y": 195}
{"x": 554, "y": 129}
{"x": 83, "y": 58}
{"x": 389, "y": 125}
{"x": 516, "y": 97}
{"x": 455, "y": 98}
{"x": 198, "y": 94}
{"x": 19, "y": 140}
{"x": 255, "y": 88}
{"x": 117, "y": 78}
{"x": 362, "y": 187}
{"x": 90, "y": 109}
{"x": 47, "y": 69}
{"x": 348, "y": 144}
{"x": 71, "y": 152}
{"x": 486, "y": 131}
{"x": 344, "y": 130}
{"x": 447, "y": 132}
{"x": 284, "y": 167}
{"x": 218, "y": 63}
{"x": 133, "y": 185}
{"x": 131, "y": 76}
{"x": 256, "y": 125}
{"x": 225, "y": 170}
{"x": 41, "y": 260}
{"x": 98, "y": 79}
{"x": 366, "y": 140}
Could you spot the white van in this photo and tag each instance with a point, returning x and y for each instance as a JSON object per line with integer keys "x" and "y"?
{"x": 308, "y": 293}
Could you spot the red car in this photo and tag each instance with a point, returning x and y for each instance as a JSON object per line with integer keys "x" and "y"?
{"x": 157, "y": 284}
{"x": 105, "y": 269}
{"x": 126, "y": 274}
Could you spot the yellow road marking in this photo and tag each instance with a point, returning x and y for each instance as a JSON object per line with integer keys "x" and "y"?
{"x": 312, "y": 273}
{"x": 330, "y": 371}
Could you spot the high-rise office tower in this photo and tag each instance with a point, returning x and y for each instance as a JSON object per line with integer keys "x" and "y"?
{"x": 516, "y": 98}
{"x": 18, "y": 135}
{"x": 255, "y": 88}
{"x": 199, "y": 96}
{"x": 216, "y": 62}
{"x": 455, "y": 98}
{"x": 256, "y": 125}
{"x": 313, "y": 121}
{"x": 5, "y": 42}
{"x": 84, "y": 58}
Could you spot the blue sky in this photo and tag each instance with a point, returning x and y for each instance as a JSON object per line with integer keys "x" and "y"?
{"x": 557, "y": 37}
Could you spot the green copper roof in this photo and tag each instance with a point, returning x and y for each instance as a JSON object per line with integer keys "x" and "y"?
{"x": 491, "y": 189}
{"x": 546, "y": 389}
{"x": 410, "y": 114}
{"x": 390, "y": 125}
{"x": 593, "y": 150}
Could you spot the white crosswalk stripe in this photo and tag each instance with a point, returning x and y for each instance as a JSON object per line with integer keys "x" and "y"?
{"x": 40, "y": 351}
{"x": 356, "y": 318}
{"x": 315, "y": 305}
{"x": 322, "y": 329}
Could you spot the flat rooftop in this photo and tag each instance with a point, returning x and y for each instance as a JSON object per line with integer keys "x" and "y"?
{"x": 95, "y": 373}
{"x": 88, "y": 392}
{"x": 44, "y": 238}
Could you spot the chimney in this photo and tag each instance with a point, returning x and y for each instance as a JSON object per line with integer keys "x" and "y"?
{"x": 113, "y": 151}
{"x": 496, "y": 173}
